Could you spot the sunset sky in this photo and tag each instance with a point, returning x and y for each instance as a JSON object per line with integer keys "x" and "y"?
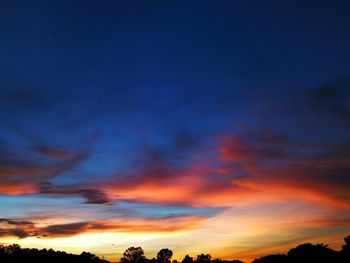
{"x": 218, "y": 127}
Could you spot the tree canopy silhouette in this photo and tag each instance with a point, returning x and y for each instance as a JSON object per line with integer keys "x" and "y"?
{"x": 14, "y": 253}
{"x": 187, "y": 259}
{"x": 313, "y": 253}
{"x": 280, "y": 258}
{"x": 346, "y": 248}
{"x": 203, "y": 258}
{"x": 304, "y": 253}
{"x": 164, "y": 255}
{"x": 133, "y": 255}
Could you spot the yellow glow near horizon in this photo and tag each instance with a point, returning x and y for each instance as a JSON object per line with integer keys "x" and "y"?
{"x": 111, "y": 245}
{"x": 228, "y": 235}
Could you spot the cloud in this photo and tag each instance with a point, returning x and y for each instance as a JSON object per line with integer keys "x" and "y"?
{"x": 21, "y": 177}
{"x": 20, "y": 96}
{"x": 155, "y": 163}
{"x": 23, "y": 96}
{"x": 17, "y": 228}
{"x": 252, "y": 167}
{"x": 292, "y": 165}
{"x": 18, "y": 177}
{"x": 92, "y": 196}
{"x": 29, "y": 171}
{"x": 333, "y": 98}
{"x": 166, "y": 224}
{"x": 13, "y": 232}
{"x": 53, "y": 152}
{"x": 62, "y": 229}
{"x": 15, "y": 222}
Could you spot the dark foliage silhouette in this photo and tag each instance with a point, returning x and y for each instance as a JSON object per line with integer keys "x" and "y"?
{"x": 304, "y": 253}
{"x": 164, "y": 255}
{"x": 14, "y": 253}
{"x": 203, "y": 258}
{"x": 272, "y": 259}
{"x": 345, "y": 252}
{"x": 218, "y": 260}
{"x": 133, "y": 255}
{"x": 310, "y": 253}
{"x": 187, "y": 259}
{"x": 313, "y": 253}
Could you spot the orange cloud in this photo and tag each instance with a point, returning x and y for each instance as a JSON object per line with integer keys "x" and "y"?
{"x": 24, "y": 229}
{"x": 251, "y": 169}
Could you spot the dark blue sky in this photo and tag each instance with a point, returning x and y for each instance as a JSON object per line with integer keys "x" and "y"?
{"x": 99, "y": 96}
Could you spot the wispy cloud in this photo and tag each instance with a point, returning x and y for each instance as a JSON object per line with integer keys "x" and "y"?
{"x": 92, "y": 196}
{"x": 166, "y": 224}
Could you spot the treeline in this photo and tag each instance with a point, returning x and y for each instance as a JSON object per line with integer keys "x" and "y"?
{"x": 136, "y": 255}
{"x": 318, "y": 253}
{"x": 14, "y": 253}
{"x": 310, "y": 253}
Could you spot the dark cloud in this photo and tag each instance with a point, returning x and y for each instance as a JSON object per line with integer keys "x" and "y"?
{"x": 36, "y": 171}
{"x": 19, "y": 233}
{"x": 15, "y": 222}
{"x": 164, "y": 224}
{"x": 43, "y": 147}
{"x": 63, "y": 229}
{"x": 23, "y": 172}
{"x": 261, "y": 156}
{"x": 14, "y": 227}
{"x": 14, "y": 232}
{"x": 54, "y": 152}
{"x": 23, "y": 176}
{"x": 158, "y": 162}
{"x": 333, "y": 98}
{"x": 260, "y": 144}
{"x": 186, "y": 141}
{"x": 27, "y": 230}
{"x": 92, "y": 196}
{"x": 24, "y": 97}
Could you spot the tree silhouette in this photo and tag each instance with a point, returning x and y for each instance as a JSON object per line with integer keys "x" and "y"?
{"x": 346, "y": 248}
{"x": 305, "y": 253}
{"x": 14, "y": 253}
{"x": 313, "y": 253}
{"x": 203, "y": 258}
{"x": 164, "y": 255}
{"x": 88, "y": 256}
{"x": 272, "y": 259}
{"x": 14, "y": 248}
{"x": 133, "y": 255}
{"x": 187, "y": 259}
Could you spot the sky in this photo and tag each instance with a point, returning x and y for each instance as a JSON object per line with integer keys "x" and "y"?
{"x": 218, "y": 127}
